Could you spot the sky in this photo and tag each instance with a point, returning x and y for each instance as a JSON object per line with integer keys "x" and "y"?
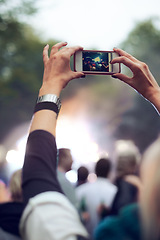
{"x": 91, "y": 23}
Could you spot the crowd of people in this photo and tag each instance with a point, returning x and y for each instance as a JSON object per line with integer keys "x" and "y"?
{"x": 41, "y": 203}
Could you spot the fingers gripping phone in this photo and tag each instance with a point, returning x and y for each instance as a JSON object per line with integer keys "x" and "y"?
{"x": 96, "y": 62}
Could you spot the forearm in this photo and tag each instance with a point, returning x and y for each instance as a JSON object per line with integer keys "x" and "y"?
{"x": 44, "y": 120}
{"x": 154, "y": 98}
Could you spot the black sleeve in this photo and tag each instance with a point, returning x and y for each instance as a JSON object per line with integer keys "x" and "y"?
{"x": 40, "y": 165}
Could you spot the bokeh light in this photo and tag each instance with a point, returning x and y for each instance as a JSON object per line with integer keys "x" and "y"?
{"x": 15, "y": 157}
{"x": 75, "y": 136}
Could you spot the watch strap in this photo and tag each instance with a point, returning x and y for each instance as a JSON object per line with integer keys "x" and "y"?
{"x": 46, "y": 105}
{"x": 48, "y": 101}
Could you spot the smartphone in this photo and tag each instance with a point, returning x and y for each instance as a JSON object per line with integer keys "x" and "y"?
{"x": 96, "y": 62}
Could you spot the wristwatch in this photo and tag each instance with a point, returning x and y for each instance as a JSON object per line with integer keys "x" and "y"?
{"x": 50, "y": 98}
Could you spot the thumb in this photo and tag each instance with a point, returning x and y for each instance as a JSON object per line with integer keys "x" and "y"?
{"x": 78, "y": 75}
{"x": 121, "y": 77}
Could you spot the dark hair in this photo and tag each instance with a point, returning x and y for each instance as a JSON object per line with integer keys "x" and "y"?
{"x": 82, "y": 173}
{"x": 103, "y": 167}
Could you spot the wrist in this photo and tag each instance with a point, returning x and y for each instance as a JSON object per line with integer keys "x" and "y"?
{"x": 154, "y": 98}
{"x": 47, "y": 89}
{"x": 48, "y": 102}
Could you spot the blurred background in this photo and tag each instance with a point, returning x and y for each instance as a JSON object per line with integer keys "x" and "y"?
{"x": 97, "y": 111}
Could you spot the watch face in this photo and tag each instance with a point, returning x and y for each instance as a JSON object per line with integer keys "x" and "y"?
{"x": 50, "y": 98}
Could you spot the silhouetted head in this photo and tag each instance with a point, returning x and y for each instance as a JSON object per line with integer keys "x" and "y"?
{"x": 65, "y": 159}
{"x": 103, "y": 167}
{"x": 82, "y": 174}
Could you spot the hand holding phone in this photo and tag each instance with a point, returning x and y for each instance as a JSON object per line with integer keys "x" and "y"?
{"x": 96, "y": 62}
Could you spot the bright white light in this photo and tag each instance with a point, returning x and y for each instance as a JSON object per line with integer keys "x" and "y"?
{"x": 11, "y": 156}
{"x": 15, "y": 158}
{"x": 74, "y": 135}
{"x": 72, "y": 176}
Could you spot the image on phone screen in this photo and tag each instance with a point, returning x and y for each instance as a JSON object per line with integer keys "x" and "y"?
{"x": 96, "y": 61}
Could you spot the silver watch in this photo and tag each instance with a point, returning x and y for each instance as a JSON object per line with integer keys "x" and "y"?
{"x": 50, "y": 98}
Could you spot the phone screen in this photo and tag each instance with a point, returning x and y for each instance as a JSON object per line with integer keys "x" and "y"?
{"x": 96, "y": 61}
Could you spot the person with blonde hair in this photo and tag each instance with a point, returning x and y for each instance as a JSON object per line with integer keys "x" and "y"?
{"x": 15, "y": 186}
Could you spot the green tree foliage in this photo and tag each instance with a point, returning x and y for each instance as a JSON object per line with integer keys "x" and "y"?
{"x": 21, "y": 65}
{"x": 141, "y": 122}
{"x": 11, "y": 9}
